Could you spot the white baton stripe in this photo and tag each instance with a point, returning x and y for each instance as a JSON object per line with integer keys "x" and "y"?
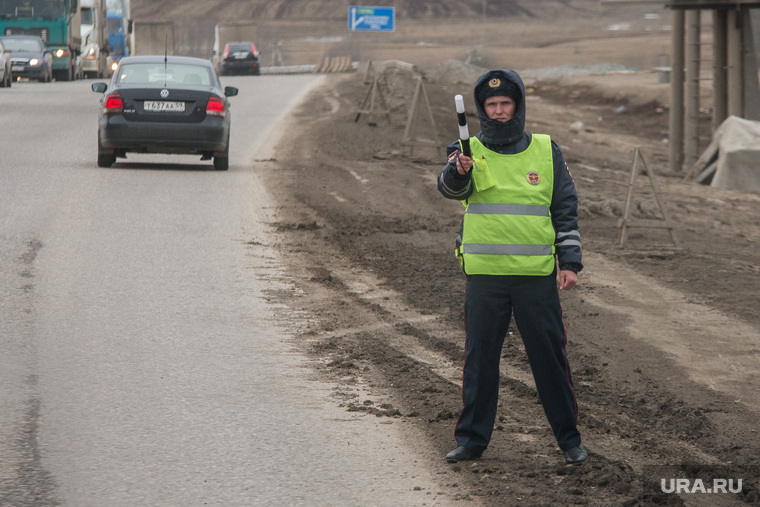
{"x": 463, "y": 132}
{"x": 459, "y": 103}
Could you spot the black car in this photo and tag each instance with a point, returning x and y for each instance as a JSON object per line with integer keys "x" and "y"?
{"x": 240, "y": 58}
{"x": 158, "y": 104}
{"x": 29, "y": 57}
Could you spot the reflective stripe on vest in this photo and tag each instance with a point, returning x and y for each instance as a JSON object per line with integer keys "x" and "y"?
{"x": 495, "y": 208}
{"x": 507, "y": 223}
{"x": 489, "y": 249}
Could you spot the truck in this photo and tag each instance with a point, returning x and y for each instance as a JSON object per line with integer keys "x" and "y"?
{"x": 117, "y": 38}
{"x": 94, "y": 59}
{"x": 119, "y": 31}
{"x": 239, "y": 31}
{"x": 57, "y": 22}
{"x": 152, "y": 38}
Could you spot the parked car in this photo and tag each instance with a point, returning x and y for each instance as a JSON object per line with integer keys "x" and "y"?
{"x": 164, "y": 104}
{"x": 240, "y": 58}
{"x": 29, "y": 57}
{"x": 6, "y": 74}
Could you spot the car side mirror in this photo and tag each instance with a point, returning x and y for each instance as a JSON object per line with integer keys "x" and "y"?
{"x": 99, "y": 87}
{"x": 229, "y": 91}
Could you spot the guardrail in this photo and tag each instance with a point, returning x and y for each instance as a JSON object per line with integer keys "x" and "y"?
{"x": 326, "y": 65}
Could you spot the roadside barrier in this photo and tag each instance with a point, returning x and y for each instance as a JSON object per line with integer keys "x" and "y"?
{"x": 328, "y": 64}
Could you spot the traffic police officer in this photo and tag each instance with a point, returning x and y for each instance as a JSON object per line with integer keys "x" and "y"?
{"x": 520, "y": 222}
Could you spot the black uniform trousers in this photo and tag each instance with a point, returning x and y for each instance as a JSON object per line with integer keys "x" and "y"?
{"x": 489, "y": 302}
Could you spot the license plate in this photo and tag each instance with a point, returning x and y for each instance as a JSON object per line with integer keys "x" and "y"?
{"x": 163, "y": 106}
{"x": 17, "y": 67}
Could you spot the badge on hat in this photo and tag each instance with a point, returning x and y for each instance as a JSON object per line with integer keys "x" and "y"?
{"x": 533, "y": 178}
{"x": 495, "y": 82}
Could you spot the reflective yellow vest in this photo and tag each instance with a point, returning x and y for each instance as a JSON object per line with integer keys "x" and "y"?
{"x": 507, "y": 224}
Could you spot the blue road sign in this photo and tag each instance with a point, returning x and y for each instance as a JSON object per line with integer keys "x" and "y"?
{"x": 372, "y": 19}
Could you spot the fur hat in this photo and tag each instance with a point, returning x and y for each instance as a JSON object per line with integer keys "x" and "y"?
{"x": 495, "y": 85}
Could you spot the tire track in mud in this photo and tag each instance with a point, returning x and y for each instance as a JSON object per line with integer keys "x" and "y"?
{"x": 715, "y": 350}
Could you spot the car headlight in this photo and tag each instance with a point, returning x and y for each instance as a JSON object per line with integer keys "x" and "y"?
{"x": 60, "y": 53}
{"x": 114, "y": 66}
{"x": 34, "y": 62}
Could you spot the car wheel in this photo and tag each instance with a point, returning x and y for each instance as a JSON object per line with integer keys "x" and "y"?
{"x": 105, "y": 159}
{"x": 4, "y": 82}
{"x": 222, "y": 163}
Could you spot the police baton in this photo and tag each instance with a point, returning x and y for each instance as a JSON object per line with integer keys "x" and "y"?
{"x": 464, "y": 134}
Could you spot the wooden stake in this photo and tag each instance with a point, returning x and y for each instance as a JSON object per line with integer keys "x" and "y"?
{"x": 374, "y": 91}
{"x": 627, "y": 221}
{"x": 409, "y": 139}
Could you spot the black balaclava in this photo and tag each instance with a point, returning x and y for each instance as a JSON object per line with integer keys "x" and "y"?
{"x": 500, "y": 82}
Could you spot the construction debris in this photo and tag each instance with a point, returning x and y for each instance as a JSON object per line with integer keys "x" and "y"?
{"x": 732, "y": 160}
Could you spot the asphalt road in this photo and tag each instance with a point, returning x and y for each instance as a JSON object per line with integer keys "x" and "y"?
{"x": 140, "y": 362}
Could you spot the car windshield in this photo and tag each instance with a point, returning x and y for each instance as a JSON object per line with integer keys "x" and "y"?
{"x": 158, "y": 74}
{"x": 21, "y": 45}
{"x": 114, "y": 25}
{"x": 87, "y": 16}
{"x": 46, "y": 9}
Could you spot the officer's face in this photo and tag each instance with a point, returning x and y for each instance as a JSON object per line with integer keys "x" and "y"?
{"x": 499, "y": 108}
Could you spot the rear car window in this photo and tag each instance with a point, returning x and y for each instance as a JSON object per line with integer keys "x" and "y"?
{"x": 240, "y": 47}
{"x": 171, "y": 74}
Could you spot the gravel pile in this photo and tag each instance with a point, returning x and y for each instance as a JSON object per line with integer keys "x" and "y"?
{"x": 455, "y": 71}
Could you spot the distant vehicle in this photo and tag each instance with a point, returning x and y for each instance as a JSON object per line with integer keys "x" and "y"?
{"x": 57, "y": 22}
{"x": 90, "y": 61}
{"x": 150, "y": 37}
{"x": 93, "y": 62}
{"x": 117, "y": 39}
{"x": 6, "y": 74}
{"x": 29, "y": 57}
{"x": 240, "y": 58}
{"x": 232, "y": 31}
{"x": 157, "y": 104}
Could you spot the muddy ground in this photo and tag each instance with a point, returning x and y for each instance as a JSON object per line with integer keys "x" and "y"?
{"x": 663, "y": 339}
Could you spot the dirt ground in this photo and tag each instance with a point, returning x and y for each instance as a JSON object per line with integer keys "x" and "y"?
{"x": 663, "y": 342}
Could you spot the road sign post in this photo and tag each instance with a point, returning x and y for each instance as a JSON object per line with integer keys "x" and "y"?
{"x": 371, "y": 19}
